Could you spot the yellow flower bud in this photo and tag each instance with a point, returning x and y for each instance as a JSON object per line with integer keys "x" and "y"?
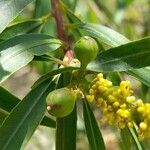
{"x": 143, "y": 126}
{"x": 111, "y": 98}
{"x": 141, "y": 109}
{"x": 123, "y": 106}
{"x": 130, "y": 124}
{"x": 90, "y": 98}
{"x": 130, "y": 99}
{"x": 139, "y": 102}
{"x": 116, "y": 104}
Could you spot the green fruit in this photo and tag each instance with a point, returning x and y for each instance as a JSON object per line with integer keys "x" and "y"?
{"x": 86, "y": 50}
{"x": 60, "y": 102}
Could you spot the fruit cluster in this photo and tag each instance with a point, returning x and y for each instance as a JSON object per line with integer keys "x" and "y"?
{"x": 118, "y": 105}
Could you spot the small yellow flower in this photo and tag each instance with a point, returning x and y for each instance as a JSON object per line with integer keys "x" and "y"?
{"x": 143, "y": 126}
{"x": 118, "y": 105}
{"x": 90, "y": 98}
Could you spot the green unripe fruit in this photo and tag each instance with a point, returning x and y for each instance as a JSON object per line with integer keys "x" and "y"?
{"x": 86, "y": 50}
{"x": 60, "y": 102}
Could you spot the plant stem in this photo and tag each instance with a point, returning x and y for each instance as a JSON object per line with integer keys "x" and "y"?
{"x": 60, "y": 29}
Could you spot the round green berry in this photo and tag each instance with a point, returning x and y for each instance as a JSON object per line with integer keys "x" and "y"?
{"x": 86, "y": 50}
{"x": 60, "y": 102}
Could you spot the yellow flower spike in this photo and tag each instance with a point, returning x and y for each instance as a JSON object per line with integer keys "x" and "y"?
{"x": 90, "y": 98}
{"x": 143, "y": 126}
{"x": 116, "y": 104}
{"x": 130, "y": 99}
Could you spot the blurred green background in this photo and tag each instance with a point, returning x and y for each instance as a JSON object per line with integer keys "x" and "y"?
{"x": 129, "y": 17}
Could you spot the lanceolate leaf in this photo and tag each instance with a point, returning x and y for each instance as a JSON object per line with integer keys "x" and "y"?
{"x": 21, "y": 28}
{"x": 126, "y": 141}
{"x": 17, "y": 52}
{"x": 52, "y": 73}
{"x": 142, "y": 74}
{"x": 9, "y": 101}
{"x": 93, "y": 133}
{"x": 135, "y": 139}
{"x": 66, "y": 126}
{"x": 3, "y": 115}
{"x": 25, "y": 117}
{"x": 9, "y": 9}
{"x": 125, "y": 57}
{"x": 66, "y": 132}
{"x": 105, "y": 34}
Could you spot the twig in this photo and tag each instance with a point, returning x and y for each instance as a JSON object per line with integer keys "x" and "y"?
{"x": 60, "y": 29}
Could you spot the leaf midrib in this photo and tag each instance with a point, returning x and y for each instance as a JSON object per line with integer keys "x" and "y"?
{"x": 125, "y": 57}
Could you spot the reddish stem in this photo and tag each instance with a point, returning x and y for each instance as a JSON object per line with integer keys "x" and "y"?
{"x": 60, "y": 29}
{"x": 59, "y": 21}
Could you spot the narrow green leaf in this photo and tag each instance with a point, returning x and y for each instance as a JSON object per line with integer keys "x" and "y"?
{"x": 21, "y": 28}
{"x": 114, "y": 77}
{"x": 93, "y": 133}
{"x": 66, "y": 127}
{"x": 48, "y": 122}
{"x": 66, "y": 132}
{"x": 25, "y": 117}
{"x": 125, "y": 57}
{"x": 135, "y": 139}
{"x": 3, "y": 115}
{"x": 52, "y": 73}
{"x": 9, "y": 9}
{"x": 126, "y": 139}
{"x": 17, "y": 52}
{"x": 105, "y": 34}
{"x": 9, "y": 101}
{"x": 142, "y": 74}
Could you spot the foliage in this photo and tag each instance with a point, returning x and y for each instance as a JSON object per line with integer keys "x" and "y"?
{"x": 48, "y": 37}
